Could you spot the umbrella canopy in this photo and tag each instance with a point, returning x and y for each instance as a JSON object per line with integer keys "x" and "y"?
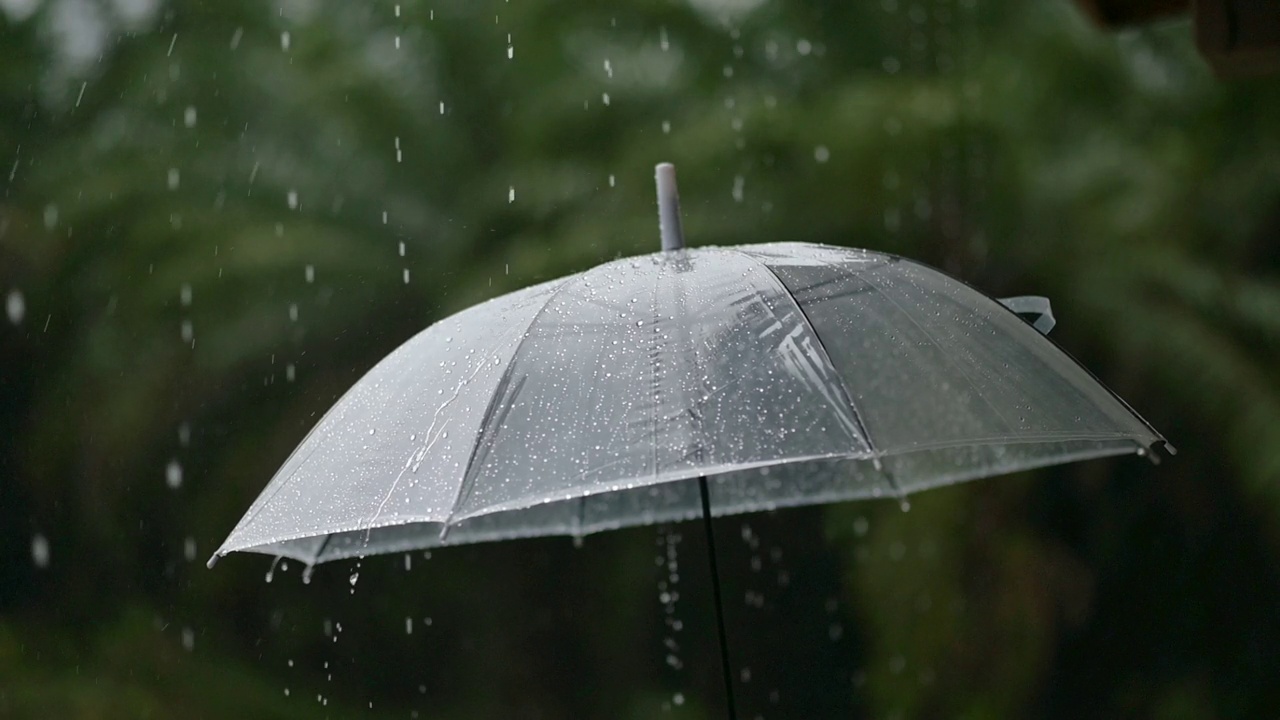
{"x": 785, "y": 374}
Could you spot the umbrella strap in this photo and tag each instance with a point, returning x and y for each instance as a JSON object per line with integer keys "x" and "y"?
{"x": 1034, "y": 309}
{"x": 715, "y": 588}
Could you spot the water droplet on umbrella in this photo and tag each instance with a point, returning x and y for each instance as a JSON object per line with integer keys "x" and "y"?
{"x": 271, "y": 571}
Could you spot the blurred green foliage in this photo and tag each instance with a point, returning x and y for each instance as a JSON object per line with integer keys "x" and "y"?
{"x": 215, "y": 216}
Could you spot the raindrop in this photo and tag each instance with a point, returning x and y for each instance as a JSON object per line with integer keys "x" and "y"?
{"x": 511, "y": 194}
{"x": 188, "y": 639}
{"x": 284, "y": 40}
{"x": 15, "y": 306}
{"x": 50, "y": 216}
{"x": 355, "y": 578}
{"x": 897, "y": 551}
{"x": 293, "y": 312}
{"x": 189, "y": 549}
{"x": 173, "y": 475}
{"x": 174, "y": 178}
{"x": 821, "y": 154}
{"x": 804, "y": 47}
{"x": 738, "y": 182}
{"x": 861, "y": 526}
{"x": 184, "y": 434}
{"x": 293, "y": 199}
{"x": 408, "y": 626}
{"x": 666, "y": 127}
{"x": 235, "y": 37}
{"x": 406, "y": 276}
{"x": 290, "y": 372}
{"x": 185, "y": 294}
{"x": 310, "y": 273}
{"x": 678, "y": 698}
{"x": 189, "y": 116}
{"x": 271, "y": 571}
{"x": 40, "y": 551}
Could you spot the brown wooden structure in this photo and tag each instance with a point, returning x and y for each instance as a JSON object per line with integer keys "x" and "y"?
{"x": 1236, "y": 37}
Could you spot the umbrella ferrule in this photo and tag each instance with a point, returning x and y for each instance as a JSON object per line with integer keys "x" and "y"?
{"x": 669, "y": 208}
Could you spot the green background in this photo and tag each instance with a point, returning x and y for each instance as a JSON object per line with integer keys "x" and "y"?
{"x": 207, "y": 234}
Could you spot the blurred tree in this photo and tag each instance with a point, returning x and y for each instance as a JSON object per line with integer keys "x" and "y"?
{"x": 216, "y": 216}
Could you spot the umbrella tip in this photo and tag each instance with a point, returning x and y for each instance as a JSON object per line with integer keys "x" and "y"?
{"x": 213, "y": 560}
{"x": 669, "y": 207}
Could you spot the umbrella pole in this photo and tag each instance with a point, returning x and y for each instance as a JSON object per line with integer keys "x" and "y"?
{"x": 715, "y": 587}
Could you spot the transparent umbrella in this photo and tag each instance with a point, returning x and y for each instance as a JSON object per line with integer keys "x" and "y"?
{"x": 683, "y": 384}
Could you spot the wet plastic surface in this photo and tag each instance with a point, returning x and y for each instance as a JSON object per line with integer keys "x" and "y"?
{"x": 788, "y": 374}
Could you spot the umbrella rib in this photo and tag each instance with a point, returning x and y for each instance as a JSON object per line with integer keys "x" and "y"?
{"x": 469, "y": 478}
{"x": 844, "y": 388}
{"x": 324, "y": 544}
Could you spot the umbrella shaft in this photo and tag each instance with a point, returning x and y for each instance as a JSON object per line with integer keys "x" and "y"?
{"x": 715, "y": 589}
